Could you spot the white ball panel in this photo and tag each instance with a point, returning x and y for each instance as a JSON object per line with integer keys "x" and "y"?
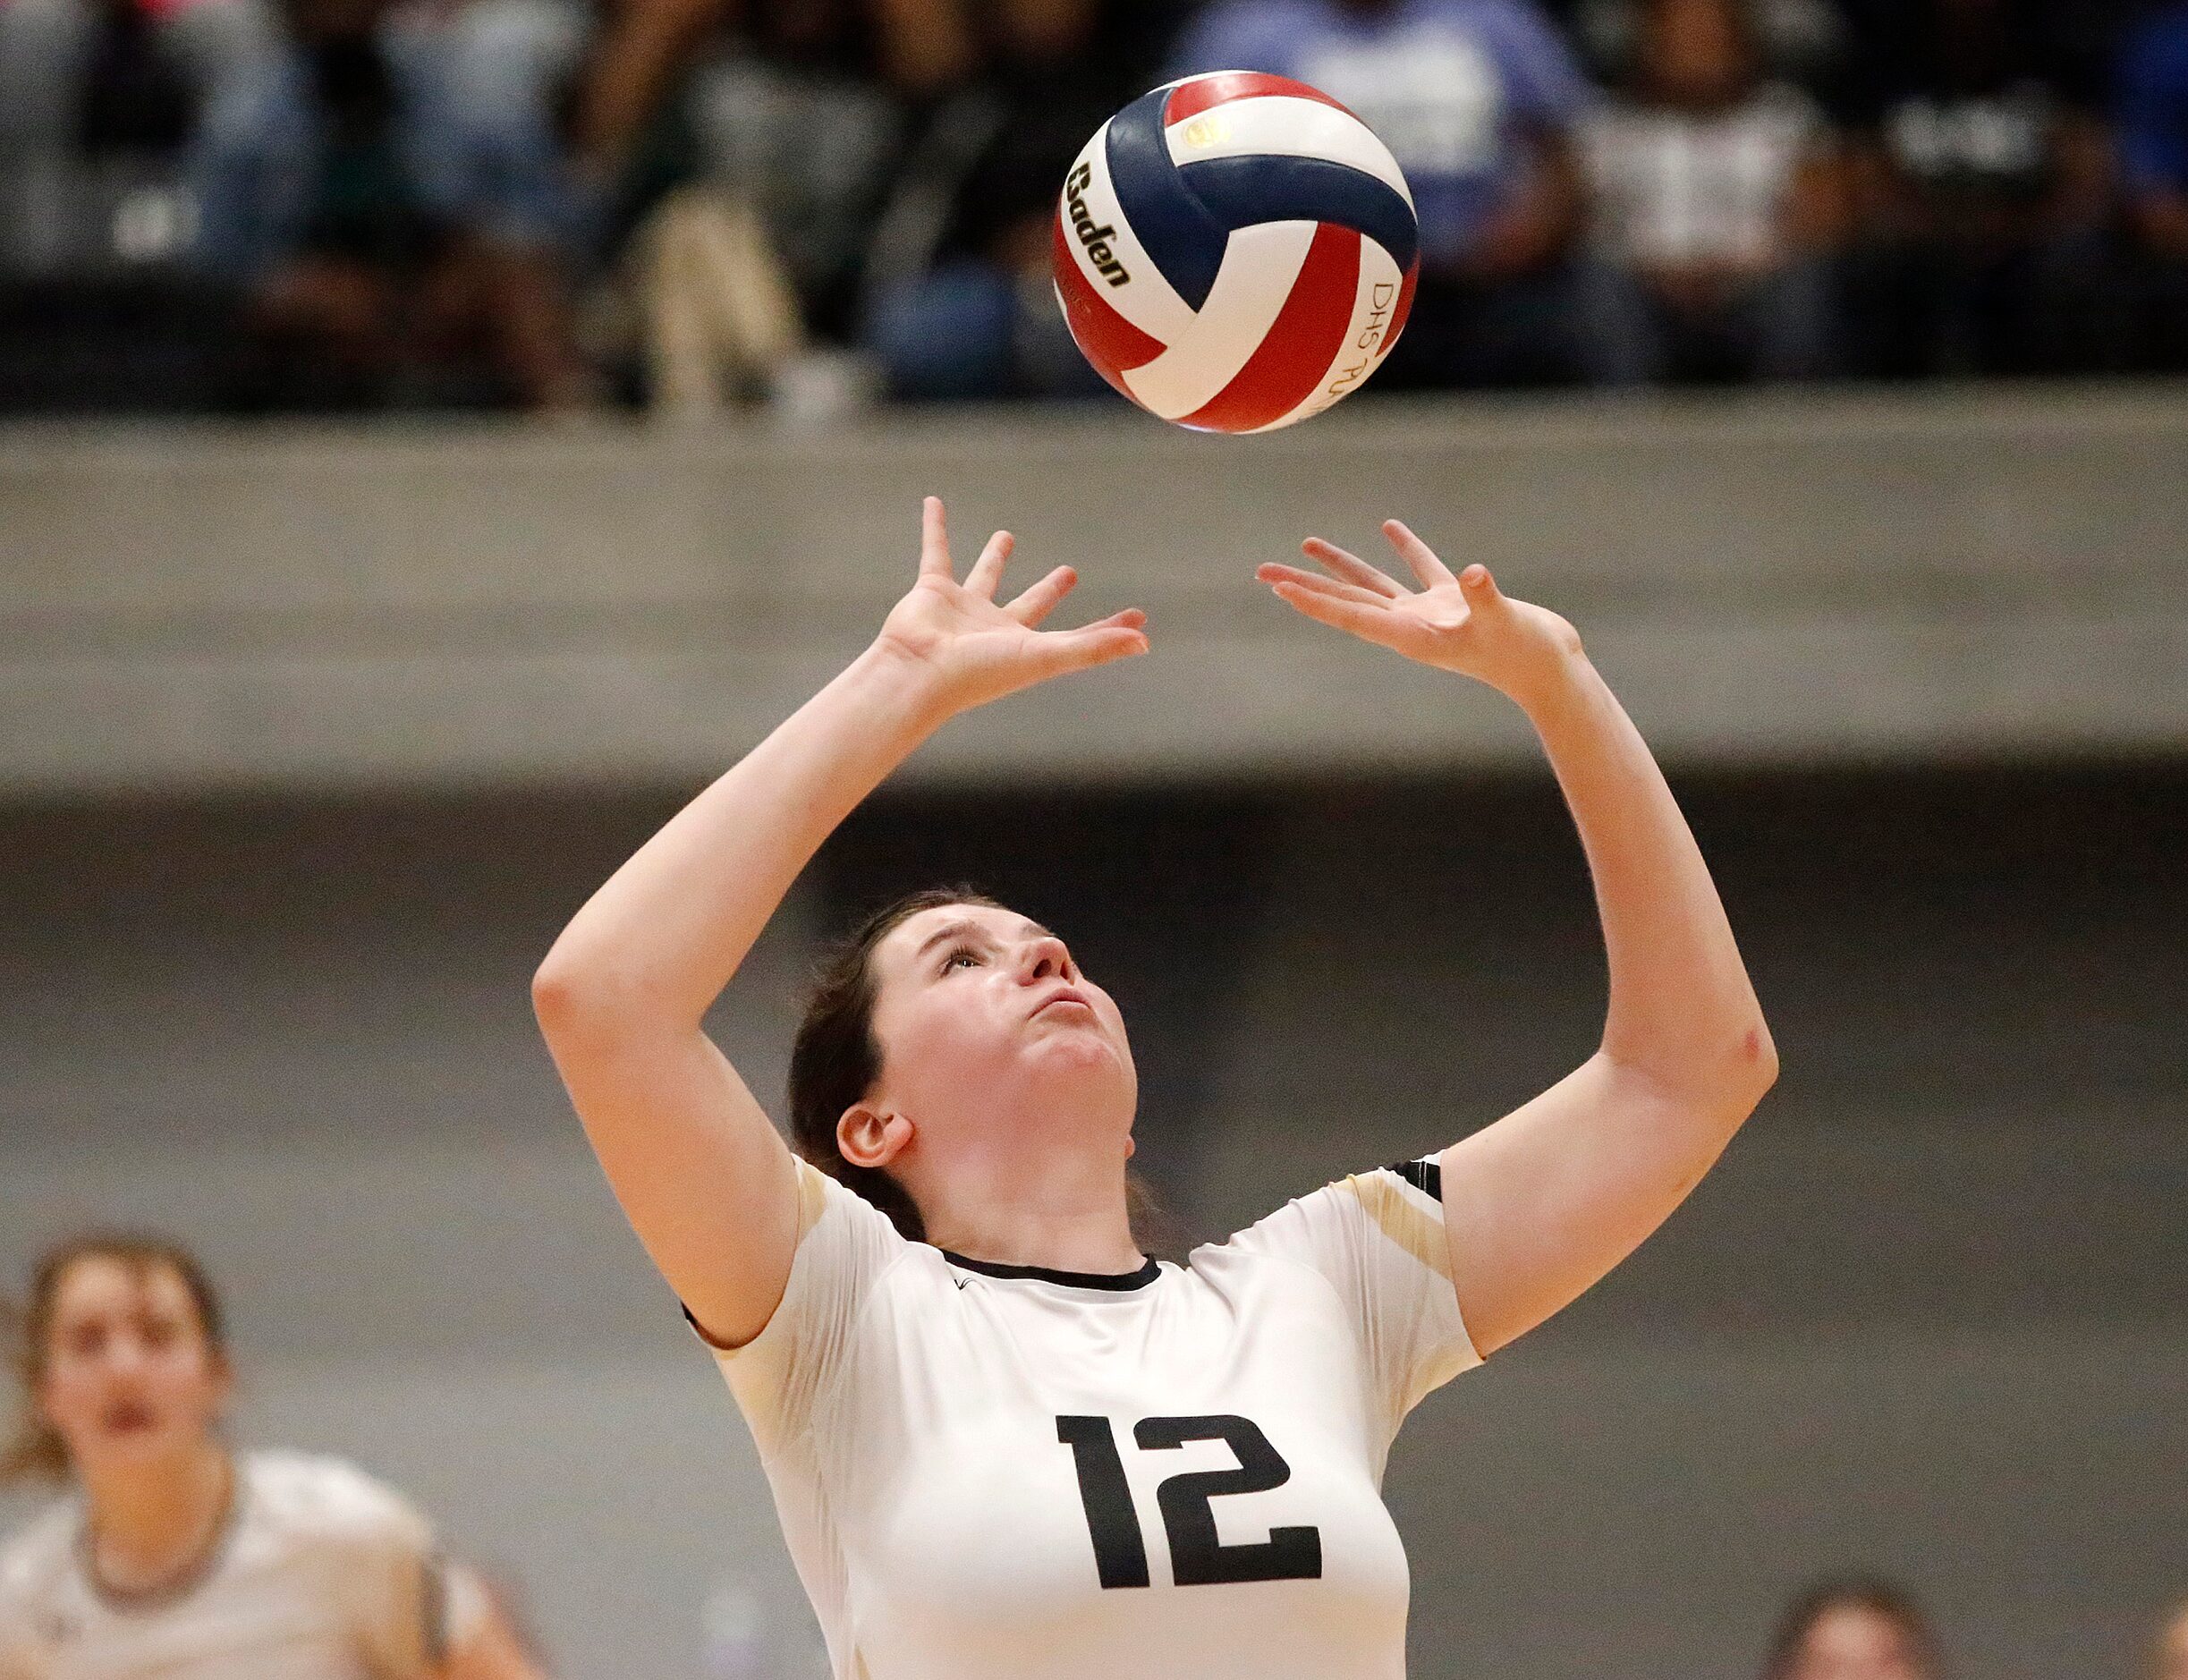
{"x": 1260, "y": 266}
{"x": 1287, "y": 127}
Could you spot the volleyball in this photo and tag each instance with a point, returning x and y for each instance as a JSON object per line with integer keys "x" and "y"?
{"x": 1235, "y": 252}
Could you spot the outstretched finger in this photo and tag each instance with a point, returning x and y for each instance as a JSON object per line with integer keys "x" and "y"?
{"x": 1417, "y": 555}
{"x": 1038, "y": 602}
{"x": 1351, "y": 567}
{"x": 1271, "y": 571}
{"x": 934, "y": 539}
{"x": 987, "y": 570}
{"x": 1118, "y": 636}
{"x": 1370, "y": 624}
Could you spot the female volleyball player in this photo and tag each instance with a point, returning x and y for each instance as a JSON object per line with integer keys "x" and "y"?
{"x": 1004, "y": 1444}
{"x": 179, "y": 1557}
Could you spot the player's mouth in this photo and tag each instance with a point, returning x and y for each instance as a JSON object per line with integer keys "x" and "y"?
{"x": 127, "y": 1419}
{"x": 1063, "y": 995}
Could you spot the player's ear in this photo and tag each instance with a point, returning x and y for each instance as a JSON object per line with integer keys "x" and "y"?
{"x": 871, "y": 1137}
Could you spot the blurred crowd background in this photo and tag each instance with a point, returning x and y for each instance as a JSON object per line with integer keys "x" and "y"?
{"x": 682, "y": 205}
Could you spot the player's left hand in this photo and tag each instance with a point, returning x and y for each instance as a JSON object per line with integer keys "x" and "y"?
{"x": 1462, "y": 624}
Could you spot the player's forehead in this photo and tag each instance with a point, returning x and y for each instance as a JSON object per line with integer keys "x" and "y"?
{"x": 932, "y": 927}
{"x": 113, "y": 1285}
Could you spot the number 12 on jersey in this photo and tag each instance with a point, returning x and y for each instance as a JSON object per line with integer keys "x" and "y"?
{"x": 1198, "y": 1558}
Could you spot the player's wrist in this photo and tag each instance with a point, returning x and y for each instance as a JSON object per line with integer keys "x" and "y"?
{"x": 1546, "y": 685}
{"x": 905, "y": 686}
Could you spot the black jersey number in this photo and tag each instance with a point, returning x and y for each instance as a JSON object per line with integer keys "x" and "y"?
{"x": 1197, "y": 1557}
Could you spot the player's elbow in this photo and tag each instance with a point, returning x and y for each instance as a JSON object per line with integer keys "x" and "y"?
{"x": 572, "y": 998}
{"x": 1751, "y": 1069}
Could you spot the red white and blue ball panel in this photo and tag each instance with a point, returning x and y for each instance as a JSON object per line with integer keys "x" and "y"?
{"x": 1235, "y": 252}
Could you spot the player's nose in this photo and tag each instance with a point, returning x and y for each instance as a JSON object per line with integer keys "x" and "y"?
{"x": 1044, "y": 957}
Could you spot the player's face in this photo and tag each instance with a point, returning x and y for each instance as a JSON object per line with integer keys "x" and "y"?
{"x": 1854, "y": 1643}
{"x": 973, "y": 1004}
{"x": 129, "y": 1376}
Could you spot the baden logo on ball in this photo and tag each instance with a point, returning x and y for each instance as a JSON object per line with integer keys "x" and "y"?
{"x": 1235, "y": 252}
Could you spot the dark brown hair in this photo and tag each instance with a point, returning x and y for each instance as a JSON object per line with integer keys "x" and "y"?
{"x": 1880, "y": 1597}
{"x": 836, "y": 1059}
{"x": 34, "y": 1449}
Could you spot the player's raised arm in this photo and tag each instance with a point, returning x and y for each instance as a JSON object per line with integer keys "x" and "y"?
{"x": 699, "y": 1169}
{"x": 1542, "y": 1203}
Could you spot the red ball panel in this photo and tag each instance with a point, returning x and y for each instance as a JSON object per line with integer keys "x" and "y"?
{"x": 1294, "y": 357}
{"x": 1105, "y": 338}
{"x": 1209, "y": 91}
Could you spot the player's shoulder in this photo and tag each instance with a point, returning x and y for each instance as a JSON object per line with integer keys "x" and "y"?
{"x": 1400, "y": 1194}
{"x": 315, "y": 1495}
{"x": 36, "y": 1557}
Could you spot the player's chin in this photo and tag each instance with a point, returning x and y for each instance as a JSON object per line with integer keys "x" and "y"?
{"x": 1076, "y": 1050}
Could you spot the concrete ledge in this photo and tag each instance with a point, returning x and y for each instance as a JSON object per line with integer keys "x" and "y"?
{"x": 1765, "y": 579}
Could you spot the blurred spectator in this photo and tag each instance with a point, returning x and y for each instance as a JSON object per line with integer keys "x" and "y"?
{"x": 394, "y": 243}
{"x": 1799, "y": 41}
{"x": 960, "y": 303}
{"x": 751, "y": 147}
{"x": 2153, "y": 145}
{"x": 98, "y": 101}
{"x": 1718, "y": 200}
{"x": 1858, "y": 1629}
{"x": 2169, "y": 1654}
{"x": 1479, "y": 101}
{"x": 1983, "y": 179}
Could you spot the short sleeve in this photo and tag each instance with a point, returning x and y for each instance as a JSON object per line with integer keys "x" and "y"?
{"x": 845, "y": 1243}
{"x": 1378, "y": 1239}
{"x": 408, "y": 1605}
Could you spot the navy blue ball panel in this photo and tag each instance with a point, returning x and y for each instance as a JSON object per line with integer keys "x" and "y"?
{"x": 1268, "y": 187}
{"x": 1185, "y": 241}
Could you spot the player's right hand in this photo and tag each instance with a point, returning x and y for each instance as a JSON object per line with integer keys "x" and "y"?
{"x": 971, "y": 650}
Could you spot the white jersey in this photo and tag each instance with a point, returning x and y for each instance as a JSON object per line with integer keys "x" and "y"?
{"x": 321, "y": 1574}
{"x": 991, "y": 1472}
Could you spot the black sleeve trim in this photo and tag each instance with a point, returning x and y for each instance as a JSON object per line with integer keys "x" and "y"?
{"x": 1423, "y": 1176}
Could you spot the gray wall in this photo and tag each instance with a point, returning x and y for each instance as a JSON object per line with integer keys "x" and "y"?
{"x": 1926, "y": 1315}
{"x": 1837, "y": 579}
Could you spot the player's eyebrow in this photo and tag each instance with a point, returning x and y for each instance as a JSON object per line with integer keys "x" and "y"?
{"x": 958, "y": 928}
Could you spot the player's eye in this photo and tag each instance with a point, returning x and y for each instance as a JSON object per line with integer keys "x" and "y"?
{"x": 963, "y": 953}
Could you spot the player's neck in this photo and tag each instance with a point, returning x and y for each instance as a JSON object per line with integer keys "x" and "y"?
{"x": 1053, "y": 1222}
{"x": 155, "y": 1523}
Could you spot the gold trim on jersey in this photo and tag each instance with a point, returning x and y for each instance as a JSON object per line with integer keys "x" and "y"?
{"x": 1419, "y": 1233}
{"x": 812, "y": 1197}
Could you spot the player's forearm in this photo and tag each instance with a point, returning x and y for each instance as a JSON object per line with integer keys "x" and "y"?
{"x": 1682, "y": 1008}
{"x": 669, "y": 929}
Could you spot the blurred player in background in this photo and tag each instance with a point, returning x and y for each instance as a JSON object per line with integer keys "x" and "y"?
{"x": 1861, "y": 1629}
{"x": 1003, "y": 1442}
{"x": 176, "y": 1555}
